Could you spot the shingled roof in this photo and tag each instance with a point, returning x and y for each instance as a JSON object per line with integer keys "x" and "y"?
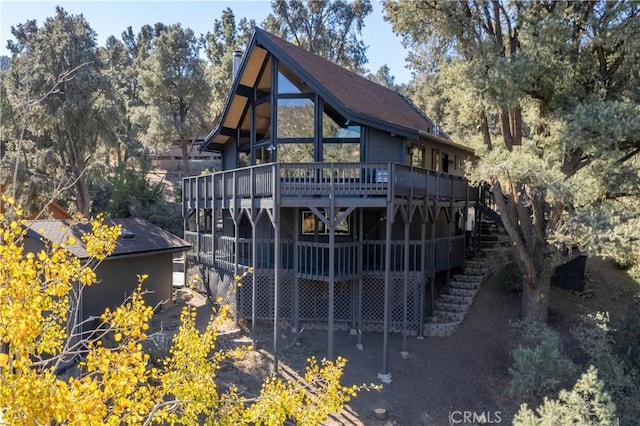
{"x": 138, "y": 236}
{"x": 358, "y": 99}
{"x": 364, "y": 99}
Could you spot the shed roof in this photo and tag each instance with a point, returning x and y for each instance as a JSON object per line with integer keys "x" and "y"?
{"x": 138, "y": 236}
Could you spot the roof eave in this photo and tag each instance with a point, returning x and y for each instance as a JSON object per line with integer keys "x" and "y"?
{"x": 232, "y": 93}
{"x": 445, "y": 141}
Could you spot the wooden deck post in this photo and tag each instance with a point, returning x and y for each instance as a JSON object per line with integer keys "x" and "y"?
{"x": 423, "y": 266}
{"x": 385, "y": 375}
{"x": 197, "y": 221}
{"x": 276, "y": 260}
{"x": 254, "y": 217}
{"x": 360, "y": 284}
{"x": 405, "y": 290}
{"x": 332, "y": 264}
{"x": 295, "y": 296}
{"x": 332, "y": 283}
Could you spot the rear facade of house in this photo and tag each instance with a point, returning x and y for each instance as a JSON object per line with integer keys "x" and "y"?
{"x": 347, "y": 202}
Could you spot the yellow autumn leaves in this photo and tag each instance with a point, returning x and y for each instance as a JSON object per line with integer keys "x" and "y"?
{"x": 115, "y": 381}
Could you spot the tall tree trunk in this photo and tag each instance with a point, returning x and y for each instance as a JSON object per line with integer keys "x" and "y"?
{"x": 83, "y": 200}
{"x": 185, "y": 157}
{"x": 530, "y": 248}
{"x": 535, "y": 289}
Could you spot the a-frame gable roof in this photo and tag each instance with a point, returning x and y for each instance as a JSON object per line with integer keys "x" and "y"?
{"x": 358, "y": 98}
{"x": 355, "y": 97}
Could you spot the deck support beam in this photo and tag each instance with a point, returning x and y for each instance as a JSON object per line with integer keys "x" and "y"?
{"x": 295, "y": 296}
{"x": 360, "y": 283}
{"x": 385, "y": 375}
{"x": 405, "y": 288}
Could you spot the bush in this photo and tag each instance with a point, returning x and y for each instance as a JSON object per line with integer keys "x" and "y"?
{"x": 131, "y": 191}
{"x": 512, "y": 278}
{"x": 620, "y": 377}
{"x": 541, "y": 368}
{"x": 627, "y": 338}
{"x": 586, "y": 404}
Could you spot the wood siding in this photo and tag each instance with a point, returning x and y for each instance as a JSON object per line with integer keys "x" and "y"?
{"x": 381, "y": 146}
{"x": 118, "y": 280}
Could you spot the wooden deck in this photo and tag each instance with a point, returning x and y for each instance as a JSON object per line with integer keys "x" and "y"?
{"x": 304, "y": 184}
{"x": 311, "y": 259}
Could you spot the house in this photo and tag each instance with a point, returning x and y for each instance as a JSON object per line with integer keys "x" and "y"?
{"x": 171, "y": 159}
{"x": 349, "y": 210}
{"x": 142, "y": 248}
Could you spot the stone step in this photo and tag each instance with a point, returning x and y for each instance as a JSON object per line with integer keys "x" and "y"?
{"x": 453, "y": 298}
{"x": 451, "y": 307}
{"x": 454, "y": 316}
{"x": 467, "y": 278}
{"x": 476, "y": 264}
{"x": 475, "y": 271}
{"x": 467, "y": 285}
{"x": 440, "y": 329}
{"x": 463, "y": 292}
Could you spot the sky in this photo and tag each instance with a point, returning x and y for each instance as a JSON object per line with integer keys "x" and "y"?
{"x": 113, "y": 17}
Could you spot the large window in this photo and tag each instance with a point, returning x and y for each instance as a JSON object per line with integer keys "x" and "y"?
{"x": 312, "y": 225}
{"x": 341, "y": 152}
{"x": 295, "y": 118}
{"x": 295, "y": 152}
{"x": 435, "y": 160}
{"x": 335, "y": 126}
{"x": 417, "y": 156}
{"x": 289, "y": 83}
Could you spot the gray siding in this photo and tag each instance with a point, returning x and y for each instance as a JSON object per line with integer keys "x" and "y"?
{"x": 229, "y": 155}
{"x": 118, "y": 280}
{"x": 382, "y": 147}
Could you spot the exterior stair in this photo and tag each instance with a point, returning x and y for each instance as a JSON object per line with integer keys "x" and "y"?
{"x": 454, "y": 302}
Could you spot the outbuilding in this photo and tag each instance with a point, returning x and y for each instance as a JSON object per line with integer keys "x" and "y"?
{"x": 142, "y": 248}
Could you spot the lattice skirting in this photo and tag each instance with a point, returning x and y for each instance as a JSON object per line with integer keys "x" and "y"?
{"x": 351, "y": 308}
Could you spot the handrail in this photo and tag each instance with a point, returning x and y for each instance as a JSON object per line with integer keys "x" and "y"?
{"x": 274, "y": 180}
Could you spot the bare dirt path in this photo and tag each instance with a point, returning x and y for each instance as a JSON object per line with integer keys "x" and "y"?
{"x": 443, "y": 377}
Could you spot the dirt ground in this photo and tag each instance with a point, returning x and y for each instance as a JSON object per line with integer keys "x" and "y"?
{"x": 442, "y": 376}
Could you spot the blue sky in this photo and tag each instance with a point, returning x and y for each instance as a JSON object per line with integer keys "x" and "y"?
{"x": 113, "y": 17}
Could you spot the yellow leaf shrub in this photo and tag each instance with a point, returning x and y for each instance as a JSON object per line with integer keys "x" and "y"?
{"x": 115, "y": 382}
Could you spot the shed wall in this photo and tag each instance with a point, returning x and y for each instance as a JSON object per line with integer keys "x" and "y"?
{"x": 118, "y": 280}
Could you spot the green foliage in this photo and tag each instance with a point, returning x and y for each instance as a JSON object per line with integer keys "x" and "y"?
{"x": 131, "y": 191}
{"x": 128, "y": 192}
{"x": 628, "y": 334}
{"x": 586, "y": 404}
{"x": 512, "y": 278}
{"x": 62, "y": 101}
{"x": 328, "y": 28}
{"x": 541, "y": 368}
{"x": 176, "y": 92}
{"x": 620, "y": 377}
{"x": 547, "y": 93}
{"x": 219, "y": 45}
{"x": 384, "y": 78}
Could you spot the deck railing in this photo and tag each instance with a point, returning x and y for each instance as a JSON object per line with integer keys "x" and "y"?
{"x": 313, "y": 257}
{"x": 313, "y": 260}
{"x": 321, "y": 179}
